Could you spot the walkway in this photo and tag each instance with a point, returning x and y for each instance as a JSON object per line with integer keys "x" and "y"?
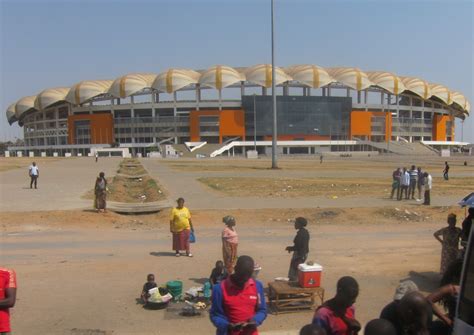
{"x": 61, "y": 185}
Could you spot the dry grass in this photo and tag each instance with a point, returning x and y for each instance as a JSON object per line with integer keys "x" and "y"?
{"x": 132, "y": 190}
{"x": 12, "y": 163}
{"x": 330, "y": 187}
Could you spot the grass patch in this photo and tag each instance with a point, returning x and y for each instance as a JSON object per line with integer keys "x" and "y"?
{"x": 132, "y": 190}
{"x": 329, "y": 187}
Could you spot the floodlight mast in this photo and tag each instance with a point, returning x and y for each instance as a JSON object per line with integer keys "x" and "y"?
{"x": 274, "y": 134}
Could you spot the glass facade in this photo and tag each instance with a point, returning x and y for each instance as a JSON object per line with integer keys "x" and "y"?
{"x": 299, "y": 115}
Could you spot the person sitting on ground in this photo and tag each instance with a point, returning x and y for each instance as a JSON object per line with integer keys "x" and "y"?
{"x": 416, "y": 314}
{"x": 311, "y": 329}
{"x": 449, "y": 241}
{"x": 447, "y": 295}
{"x": 218, "y": 274}
{"x": 238, "y": 302}
{"x": 300, "y": 248}
{"x": 337, "y": 315}
{"x": 150, "y": 283}
{"x": 379, "y": 327}
{"x": 391, "y": 311}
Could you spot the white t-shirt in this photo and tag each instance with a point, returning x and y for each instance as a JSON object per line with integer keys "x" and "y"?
{"x": 34, "y": 170}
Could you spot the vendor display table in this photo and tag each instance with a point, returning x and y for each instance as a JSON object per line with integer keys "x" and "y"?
{"x": 289, "y": 296}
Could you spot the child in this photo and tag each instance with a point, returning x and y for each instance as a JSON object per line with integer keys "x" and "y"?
{"x": 150, "y": 283}
{"x": 218, "y": 274}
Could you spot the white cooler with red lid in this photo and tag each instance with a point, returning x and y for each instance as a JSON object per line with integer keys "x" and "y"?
{"x": 309, "y": 275}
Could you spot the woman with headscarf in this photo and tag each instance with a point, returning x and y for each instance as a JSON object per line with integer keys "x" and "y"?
{"x": 100, "y": 191}
{"x": 181, "y": 227}
{"x": 230, "y": 240}
{"x": 300, "y": 248}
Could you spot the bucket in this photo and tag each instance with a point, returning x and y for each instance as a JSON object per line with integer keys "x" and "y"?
{"x": 176, "y": 288}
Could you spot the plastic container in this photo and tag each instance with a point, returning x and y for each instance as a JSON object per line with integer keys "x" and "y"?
{"x": 309, "y": 275}
{"x": 175, "y": 287}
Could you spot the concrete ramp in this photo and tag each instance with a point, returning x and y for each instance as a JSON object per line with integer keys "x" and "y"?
{"x": 138, "y": 208}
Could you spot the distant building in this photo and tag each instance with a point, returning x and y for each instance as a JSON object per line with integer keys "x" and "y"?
{"x": 224, "y": 104}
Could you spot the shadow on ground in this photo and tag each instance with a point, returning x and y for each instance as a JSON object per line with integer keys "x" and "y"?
{"x": 162, "y": 253}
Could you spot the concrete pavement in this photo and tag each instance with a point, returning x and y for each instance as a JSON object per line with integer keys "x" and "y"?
{"x": 61, "y": 185}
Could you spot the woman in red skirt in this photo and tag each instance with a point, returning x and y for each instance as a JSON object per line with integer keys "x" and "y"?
{"x": 181, "y": 227}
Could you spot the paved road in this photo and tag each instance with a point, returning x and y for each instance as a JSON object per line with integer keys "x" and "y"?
{"x": 198, "y": 196}
{"x": 61, "y": 185}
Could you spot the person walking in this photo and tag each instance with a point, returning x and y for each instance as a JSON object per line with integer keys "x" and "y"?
{"x": 449, "y": 238}
{"x": 446, "y": 171}
{"x": 428, "y": 184}
{"x": 181, "y": 227}
{"x": 300, "y": 248}
{"x": 396, "y": 177}
{"x": 8, "y": 289}
{"x": 33, "y": 171}
{"x": 230, "y": 241}
{"x": 238, "y": 302}
{"x": 100, "y": 190}
{"x": 405, "y": 182}
{"x": 420, "y": 183}
{"x": 413, "y": 182}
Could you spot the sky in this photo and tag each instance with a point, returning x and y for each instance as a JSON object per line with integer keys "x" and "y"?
{"x": 59, "y": 43}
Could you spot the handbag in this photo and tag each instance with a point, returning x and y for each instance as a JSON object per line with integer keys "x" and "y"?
{"x": 192, "y": 237}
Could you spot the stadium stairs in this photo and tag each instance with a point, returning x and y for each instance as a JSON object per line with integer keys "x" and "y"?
{"x": 205, "y": 151}
{"x": 402, "y": 148}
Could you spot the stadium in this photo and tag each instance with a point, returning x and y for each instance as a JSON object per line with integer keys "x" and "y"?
{"x": 228, "y": 110}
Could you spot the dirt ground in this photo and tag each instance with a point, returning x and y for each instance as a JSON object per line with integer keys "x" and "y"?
{"x": 11, "y": 163}
{"x": 80, "y": 272}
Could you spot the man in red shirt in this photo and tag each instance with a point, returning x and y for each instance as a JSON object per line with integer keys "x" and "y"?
{"x": 7, "y": 298}
{"x": 238, "y": 302}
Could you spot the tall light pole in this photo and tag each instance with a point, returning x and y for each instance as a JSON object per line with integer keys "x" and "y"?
{"x": 254, "y": 124}
{"x": 274, "y": 135}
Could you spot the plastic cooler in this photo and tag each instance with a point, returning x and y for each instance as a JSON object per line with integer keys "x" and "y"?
{"x": 309, "y": 275}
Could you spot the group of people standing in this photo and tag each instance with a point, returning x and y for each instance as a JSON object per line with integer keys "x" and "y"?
{"x": 405, "y": 182}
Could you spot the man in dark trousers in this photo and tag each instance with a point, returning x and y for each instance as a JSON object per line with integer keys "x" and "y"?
{"x": 446, "y": 171}
{"x": 33, "y": 171}
{"x": 238, "y": 302}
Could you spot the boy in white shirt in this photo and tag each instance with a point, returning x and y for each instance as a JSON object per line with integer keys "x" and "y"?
{"x": 34, "y": 174}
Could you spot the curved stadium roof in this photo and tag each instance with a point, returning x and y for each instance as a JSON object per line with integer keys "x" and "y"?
{"x": 221, "y": 76}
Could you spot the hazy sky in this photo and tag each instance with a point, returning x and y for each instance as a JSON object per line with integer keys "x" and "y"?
{"x": 58, "y": 43}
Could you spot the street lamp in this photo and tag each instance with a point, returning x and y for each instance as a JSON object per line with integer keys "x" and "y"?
{"x": 274, "y": 135}
{"x": 254, "y": 124}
